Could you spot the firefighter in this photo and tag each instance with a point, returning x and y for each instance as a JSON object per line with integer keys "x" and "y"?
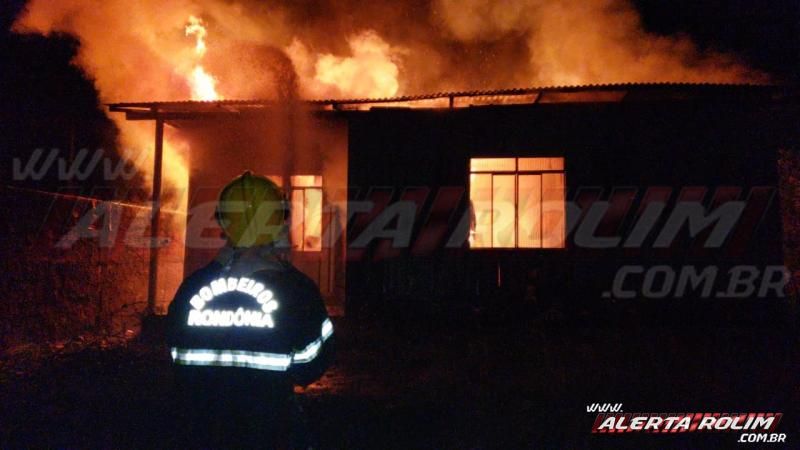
{"x": 246, "y": 328}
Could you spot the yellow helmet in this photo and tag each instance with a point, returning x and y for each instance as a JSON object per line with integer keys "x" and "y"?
{"x": 251, "y": 211}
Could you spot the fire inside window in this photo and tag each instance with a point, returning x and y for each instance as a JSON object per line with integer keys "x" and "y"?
{"x": 517, "y": 203}
{"x": 306, "y": 204}
{"x": 305, "y": 200}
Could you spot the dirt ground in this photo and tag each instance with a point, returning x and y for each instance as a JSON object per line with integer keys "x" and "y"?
{"x": 447, "y": 382}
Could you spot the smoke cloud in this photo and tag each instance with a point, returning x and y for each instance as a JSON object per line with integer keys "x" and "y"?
{"x": 593, "y": 41}
{"x": 141, "y": 51}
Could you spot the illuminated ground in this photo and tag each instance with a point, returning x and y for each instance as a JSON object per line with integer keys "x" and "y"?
{"x": 453, "y": 383}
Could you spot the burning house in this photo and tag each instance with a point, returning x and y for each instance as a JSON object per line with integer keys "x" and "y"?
{"x": 572, "y": 195}
{"x": 583, "y": 197}
{"x": 492, "y": 259}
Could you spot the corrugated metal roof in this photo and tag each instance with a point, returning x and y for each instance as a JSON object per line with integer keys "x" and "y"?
{"x": 549, "y": 94}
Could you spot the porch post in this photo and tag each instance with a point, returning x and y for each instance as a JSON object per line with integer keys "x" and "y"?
{"x": 154, "y": 219}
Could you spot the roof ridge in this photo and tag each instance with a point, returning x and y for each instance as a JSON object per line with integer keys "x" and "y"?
{"x": 464, "y": 93}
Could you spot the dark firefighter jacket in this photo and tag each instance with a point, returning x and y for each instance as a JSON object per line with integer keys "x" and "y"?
{"x": 270, "y": 322}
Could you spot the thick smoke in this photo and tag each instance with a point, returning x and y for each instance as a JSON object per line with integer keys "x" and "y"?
{"x": 140, "y": 51}
{"x": 371, "y": 70}
{"x": 583, "y": 42}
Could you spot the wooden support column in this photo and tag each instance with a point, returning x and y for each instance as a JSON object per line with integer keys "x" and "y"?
{"x": 152, "y": 282}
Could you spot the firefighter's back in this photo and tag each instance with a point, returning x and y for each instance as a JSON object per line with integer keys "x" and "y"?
{"x": 239, "y": 341}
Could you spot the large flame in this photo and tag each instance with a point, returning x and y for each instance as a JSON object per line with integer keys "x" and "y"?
{"x": 196, "y": 28}
{"x": 202, "y": 83}
{"x": 246, "y": 49}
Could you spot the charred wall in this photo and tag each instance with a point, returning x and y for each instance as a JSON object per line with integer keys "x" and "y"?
{"x": 618, "y": 156}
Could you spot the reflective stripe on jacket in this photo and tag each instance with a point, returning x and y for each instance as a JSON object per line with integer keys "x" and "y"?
{"x": 270, "y": 320}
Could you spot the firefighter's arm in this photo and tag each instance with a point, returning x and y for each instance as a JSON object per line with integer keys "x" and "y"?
{"x": 314, "y": 345}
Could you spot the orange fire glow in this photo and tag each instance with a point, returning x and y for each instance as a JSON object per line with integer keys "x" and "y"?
{"x": 371, "y": 69}
{"x": 203, "y": 85}
{"x": 251, "y": 49}
{"x": 195, "y": 27}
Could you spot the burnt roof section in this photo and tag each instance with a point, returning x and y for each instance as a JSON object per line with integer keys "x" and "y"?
{"x": 594, "y": 93}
